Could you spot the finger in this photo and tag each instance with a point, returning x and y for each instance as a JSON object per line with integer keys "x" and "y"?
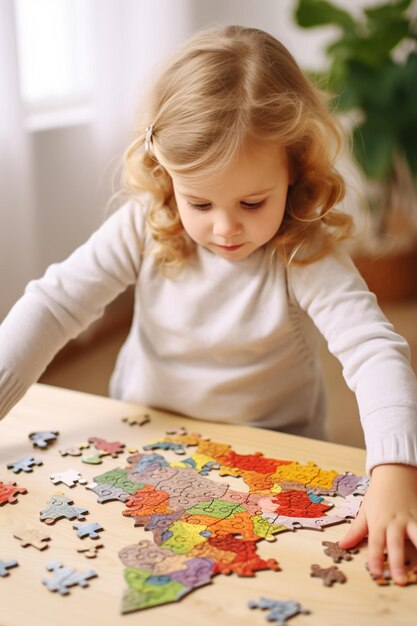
{"x": 395, "y": 549}
{"x": 376, "y": 551}
{"x": 412, "y": 532}
{"x": 357, "y": 531}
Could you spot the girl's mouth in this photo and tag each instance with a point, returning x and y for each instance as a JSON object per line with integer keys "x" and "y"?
{"x": 230, "y": 248}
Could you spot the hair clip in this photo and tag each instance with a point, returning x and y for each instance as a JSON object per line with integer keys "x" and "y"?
{"x": 148, "y": 139}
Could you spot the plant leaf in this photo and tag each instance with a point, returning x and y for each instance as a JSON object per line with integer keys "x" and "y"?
{"x": 374, "y": 150}
{"x": 311, "y": 13}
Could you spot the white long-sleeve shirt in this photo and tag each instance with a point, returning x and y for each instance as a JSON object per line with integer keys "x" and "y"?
{"x": 225, "y": 341}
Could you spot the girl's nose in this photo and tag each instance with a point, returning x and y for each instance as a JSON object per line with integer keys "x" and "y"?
{"x": 225, "y": 225}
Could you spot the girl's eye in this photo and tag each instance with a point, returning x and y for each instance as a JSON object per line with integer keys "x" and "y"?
{"x": 253, "y": 205}
{"x": 200, "y": 207}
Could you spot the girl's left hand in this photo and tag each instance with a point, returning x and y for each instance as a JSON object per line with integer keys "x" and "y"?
{"x": 388, "y": 515}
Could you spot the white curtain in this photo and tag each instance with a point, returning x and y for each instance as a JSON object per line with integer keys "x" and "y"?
{"x": 54, "y": 184}
{"x": 18, "y": 237}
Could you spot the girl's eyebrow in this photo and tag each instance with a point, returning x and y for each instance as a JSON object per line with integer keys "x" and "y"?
{"x": 248, "y": 195}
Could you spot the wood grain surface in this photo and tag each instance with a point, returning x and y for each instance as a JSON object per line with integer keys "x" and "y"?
{"x": 24, "y": 601}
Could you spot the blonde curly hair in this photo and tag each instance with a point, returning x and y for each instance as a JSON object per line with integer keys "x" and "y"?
{"x": 225, "y": 88}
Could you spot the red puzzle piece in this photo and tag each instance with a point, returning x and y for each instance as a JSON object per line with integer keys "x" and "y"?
{"x": 8, "y": 492}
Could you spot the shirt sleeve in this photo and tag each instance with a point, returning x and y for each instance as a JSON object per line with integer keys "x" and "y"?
{"x": 66, "y": 300}
{"x": 375, "y": 359}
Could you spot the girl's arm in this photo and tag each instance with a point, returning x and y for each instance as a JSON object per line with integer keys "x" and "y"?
{"x": 376, "y": 367}
{"x": 66, "y": 300}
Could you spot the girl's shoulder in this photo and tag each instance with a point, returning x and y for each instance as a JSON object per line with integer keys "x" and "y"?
{"x": 131, "y": 214}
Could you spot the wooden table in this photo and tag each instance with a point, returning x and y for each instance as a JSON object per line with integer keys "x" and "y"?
{"x": 25, "y": 601}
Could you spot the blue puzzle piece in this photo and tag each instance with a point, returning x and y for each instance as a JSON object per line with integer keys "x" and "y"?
{"x": 26, "y": 464}
{"x": 279, "y": 610}
{"x": 65, "y": 577}
{"x": 89, "y": 529}
{"x": 5, "y": 566}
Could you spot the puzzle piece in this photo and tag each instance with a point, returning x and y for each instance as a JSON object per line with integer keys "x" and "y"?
{"x": 279, "y": 610}
{"x": 32, "y": 537}
{"x": 65, "y": 577}
{"x": 88, "y": 529}
{"x": 178, "y": 448}
{"x": 348, "y": 507}
{"x": 26, "y": 464}
{"x": 108, "y": 492}
{"x": 8, "y": 492}
{"x": 109, "y": 447}
{"x": 59, "y": 507}
{"x": 69, "y": 477}
{"x": 329, "y": 575}
{"x": 336, "y": 552}
{"x": 43, "y": 438}
{"x": 293, "y": 523}
{"x": 5, "y": 566}
{"x": 385, "y": 578}
{"x": 90, "y": 549}
{"x": 139, "y": 419}
{"x": 74, "y": 450}
{"x": 94, "y": 458}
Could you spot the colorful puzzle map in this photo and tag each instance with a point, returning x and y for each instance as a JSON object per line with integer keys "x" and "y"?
{"x": 201, "y": 527}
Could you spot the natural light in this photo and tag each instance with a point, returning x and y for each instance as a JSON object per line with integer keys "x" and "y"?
{"x": 54, "y": 50}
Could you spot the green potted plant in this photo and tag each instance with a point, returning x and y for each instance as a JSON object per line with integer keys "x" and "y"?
{"x": 372, "y": 72}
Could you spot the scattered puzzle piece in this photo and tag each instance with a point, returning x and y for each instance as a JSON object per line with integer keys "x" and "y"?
{"x": 94, "y": 458}
{"x": 279, "y": 610}
{"x": 336, "y": 552}
{"x": 385, "y": 578}
{"x": 90, "y": 548}
{"x": 59, "y": 507}
{"x": 74, "y": 450}
{"x": 109, "y": 447}
{"x": 8, "y": 492}
{"x": 329, "y": 575}
{"x": 88, "y": 529}
{"x": 32, "y": 537}
{"x": 26, "y": 464}
{"x": 43, "y": 438}
{"x": 5, "y": 566}
{"x": 69, "y": 477}
{"x": 65, "y": 577}
{"x": 139, "y": 419}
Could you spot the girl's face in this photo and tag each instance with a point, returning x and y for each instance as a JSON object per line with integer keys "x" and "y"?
{"x": 242, "y": 208}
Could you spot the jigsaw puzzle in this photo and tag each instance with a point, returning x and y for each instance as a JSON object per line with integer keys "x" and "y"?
{"x": 139, "y": 419}
{"x": 385, "y": 578}
{"x": 43, "y": 438}
{"x": 32, "y": 537}
{"x": 88, "y": 529}
{"x": 69, "y": 477}
{"x": 26, "y": 464}
{"x": 60, "y": 506}
{"x": 9, "y": 491}
{"x": 279, "y": 611}
{"x": 90, "y": 548}
{"x": 201, "y": 527}
{"x": 336, "y": 552}
{"x": 329, "y": 575}
{"x": 5, "y": 566}
{"x": 66, "y": 577}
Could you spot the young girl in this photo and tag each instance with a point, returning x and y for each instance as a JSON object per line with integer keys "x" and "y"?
{"x": 230, "y": 237}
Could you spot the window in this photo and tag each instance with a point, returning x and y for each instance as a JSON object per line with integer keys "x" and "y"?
{"x": 55, "y": 60}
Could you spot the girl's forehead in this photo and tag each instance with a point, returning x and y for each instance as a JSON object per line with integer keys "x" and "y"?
{"x": 253, "y": 171}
